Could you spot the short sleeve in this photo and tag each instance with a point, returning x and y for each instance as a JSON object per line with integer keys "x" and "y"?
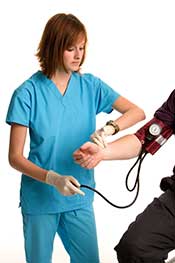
{"x": 105, "y": 96}
{"x": 19, "y": 110}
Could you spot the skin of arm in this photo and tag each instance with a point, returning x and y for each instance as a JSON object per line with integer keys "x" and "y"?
{"x": 66, "y": 185}
{"x": 131, "y": 114}
{"x": 16, "y": 156}
{"x": 89, "y": 155}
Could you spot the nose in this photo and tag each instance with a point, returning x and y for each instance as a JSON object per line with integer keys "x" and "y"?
{"x": 77, "y": 53}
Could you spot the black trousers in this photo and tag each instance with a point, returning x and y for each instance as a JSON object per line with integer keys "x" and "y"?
{"x": 151, "y": 236}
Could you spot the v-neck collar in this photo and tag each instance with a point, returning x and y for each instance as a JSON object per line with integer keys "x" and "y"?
{"x": 49, "y": 83}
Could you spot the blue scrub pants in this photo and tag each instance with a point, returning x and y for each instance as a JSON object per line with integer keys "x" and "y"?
{"x": 76, "y": 229}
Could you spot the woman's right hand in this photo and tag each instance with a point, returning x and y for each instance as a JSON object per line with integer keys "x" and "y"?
{"x": 66, "y": 185}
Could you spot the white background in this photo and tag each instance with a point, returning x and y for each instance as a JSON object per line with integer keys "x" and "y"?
{"x": 132, "y": 48}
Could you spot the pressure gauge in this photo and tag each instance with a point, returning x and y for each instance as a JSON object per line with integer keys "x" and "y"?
{"x": 155, "y": 129}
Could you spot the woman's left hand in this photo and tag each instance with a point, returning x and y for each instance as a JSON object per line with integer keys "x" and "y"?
{"x": 99, "y": 136}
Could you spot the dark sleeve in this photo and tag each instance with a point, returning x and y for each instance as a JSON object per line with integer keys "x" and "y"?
{"x": 166, "y": 112}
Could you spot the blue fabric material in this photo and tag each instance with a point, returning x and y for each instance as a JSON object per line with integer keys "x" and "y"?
{"x": 58, "y": 125}
{"x": 76, "y": 229}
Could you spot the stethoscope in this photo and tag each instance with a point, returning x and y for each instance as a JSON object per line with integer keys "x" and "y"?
{"x": 153, "y": 131}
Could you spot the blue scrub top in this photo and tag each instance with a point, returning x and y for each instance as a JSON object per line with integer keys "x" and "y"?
{"x": 58, "y": 125}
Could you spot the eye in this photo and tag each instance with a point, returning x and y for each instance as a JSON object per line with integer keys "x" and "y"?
{"x": 82, "y": 48}
{"x": 70, "y": 49}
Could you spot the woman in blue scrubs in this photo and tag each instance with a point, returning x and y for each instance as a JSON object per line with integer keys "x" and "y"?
{"x": 58, "y": 105}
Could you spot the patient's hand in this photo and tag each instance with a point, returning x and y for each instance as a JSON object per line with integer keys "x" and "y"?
{"x": 88, "y": 155}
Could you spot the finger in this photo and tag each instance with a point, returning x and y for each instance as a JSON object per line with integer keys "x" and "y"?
{"x": 97, "y": 134}
{"x": 83, "y": 159}
{"x": 94, "y": 136}
{"x": 77, "y": 161}
{"x": 78, "y": 158}
{"x": 104, "y": 142}
{"x": 78, "y": 191}
{"x": 73, "y": 181}
{"x": 100, "y": 138}
{"x": 86, "y": 146}
{"x": 81, "y": 156}
{"x": 99, "y": 143}
{"x": 92, "y": 164}
{"x": 86, "y": 164}
{"x": 103, "y": 139}
{"x": 75, "y": 189}
{"x": 77, "y": 153}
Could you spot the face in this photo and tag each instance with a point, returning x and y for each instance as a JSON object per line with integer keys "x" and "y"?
{"x": 72, "y": 57}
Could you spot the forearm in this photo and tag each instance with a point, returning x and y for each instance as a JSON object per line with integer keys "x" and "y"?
{"x": 126, "y": 147}
{"x": 28, "y": 168}
{"x": 130, "y": 117}
{"x": 66, "y": 185}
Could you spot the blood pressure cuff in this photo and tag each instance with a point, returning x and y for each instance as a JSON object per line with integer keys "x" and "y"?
{"x": 165, "y": 118}
{"x": 142, "y": 132}
{"x": 152, "y": 145}
{"x": 152, "y": 142}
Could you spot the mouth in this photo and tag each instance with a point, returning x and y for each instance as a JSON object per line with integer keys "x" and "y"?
{"x": 76, "y": 63}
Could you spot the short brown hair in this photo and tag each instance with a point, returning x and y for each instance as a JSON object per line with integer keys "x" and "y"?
{"x": 60, "y": 33}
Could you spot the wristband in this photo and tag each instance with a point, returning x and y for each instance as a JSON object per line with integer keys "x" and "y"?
{"x": 114, "y": 125}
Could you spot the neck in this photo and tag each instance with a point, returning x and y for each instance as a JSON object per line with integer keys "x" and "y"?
{"x": 61, "y": 75}
{"x": 61, "y": 79}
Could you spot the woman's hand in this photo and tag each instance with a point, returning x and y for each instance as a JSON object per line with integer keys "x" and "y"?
{"x": 100, "y": 136}
{"x": 66, "y": 185}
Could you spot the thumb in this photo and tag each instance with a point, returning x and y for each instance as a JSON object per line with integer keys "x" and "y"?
{"x": 86, "y": 146}
{"x": 76, "y": 186}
